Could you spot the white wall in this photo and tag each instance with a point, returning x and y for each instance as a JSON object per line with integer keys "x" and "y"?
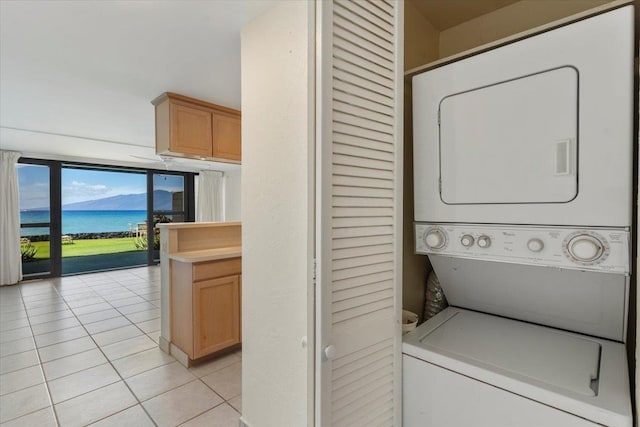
{"x": 232, "y": 191}
{"x": 277, "y": 216}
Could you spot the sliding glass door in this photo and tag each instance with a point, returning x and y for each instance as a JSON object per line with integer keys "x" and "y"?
{"x": 79, "y": 218}
{"x": 169, "y": 203}
{"x": 39, "y": 250}
{"x": 103, "y": 211}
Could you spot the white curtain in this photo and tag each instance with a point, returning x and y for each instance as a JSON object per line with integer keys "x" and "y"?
{"x": 210, "y": 204}
{"x": 10, "y": 257}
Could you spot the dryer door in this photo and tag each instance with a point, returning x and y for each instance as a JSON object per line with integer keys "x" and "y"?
{"x": 511, "y": 142}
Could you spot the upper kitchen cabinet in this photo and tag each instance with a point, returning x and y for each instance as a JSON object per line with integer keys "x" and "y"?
{"x": 226, "y": 136}
{"x": 188, "y": 127}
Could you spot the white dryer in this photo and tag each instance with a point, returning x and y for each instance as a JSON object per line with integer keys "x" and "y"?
{"x": 535, "y": 132}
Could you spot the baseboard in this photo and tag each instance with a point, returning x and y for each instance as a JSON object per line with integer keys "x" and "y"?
{"x": 164, "y": 345}
{"x": 243, "y": 423}
{"x": 180, "y": 356}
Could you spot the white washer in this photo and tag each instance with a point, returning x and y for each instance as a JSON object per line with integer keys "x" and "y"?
{"x": 469, "y": 368}
{"x": 463, "y": 368}
{"x": 564, "y": 277}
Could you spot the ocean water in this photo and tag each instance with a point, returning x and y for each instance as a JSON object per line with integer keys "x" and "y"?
{"x": 74, "y": 222}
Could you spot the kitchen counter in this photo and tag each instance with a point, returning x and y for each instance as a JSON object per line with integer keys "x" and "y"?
{"x": 194, "y": 244}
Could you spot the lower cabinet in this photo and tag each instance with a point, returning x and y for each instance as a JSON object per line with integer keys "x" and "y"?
{"x": 205, "y": 306}
{"x": 216, "y": 313}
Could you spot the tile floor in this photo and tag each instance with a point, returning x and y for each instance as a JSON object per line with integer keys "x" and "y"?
{"x": 82, "y": 350}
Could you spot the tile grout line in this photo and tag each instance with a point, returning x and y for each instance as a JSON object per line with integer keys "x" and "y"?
{"x": 196, "y": 377}
{"x": 46, "y": 382}
{"x": 110, "y": 362}
{"x": 149, "y": 280}
{"x": 40, "y": 364}
{"x": 207, "y": 410}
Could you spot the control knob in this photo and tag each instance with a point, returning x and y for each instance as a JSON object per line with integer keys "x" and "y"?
{"x": 467, "y": 240}
{"x": 585, "y": 248}
{"x": 484, "y": 241}
{"x": 535, "y": 245}
{"x": 435, "y": 238}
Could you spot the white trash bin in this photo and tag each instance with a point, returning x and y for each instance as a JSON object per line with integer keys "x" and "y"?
{"x": 409, "y": 321}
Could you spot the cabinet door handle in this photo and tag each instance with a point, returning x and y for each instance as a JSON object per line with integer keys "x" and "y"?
{"x": 329, "y": 352}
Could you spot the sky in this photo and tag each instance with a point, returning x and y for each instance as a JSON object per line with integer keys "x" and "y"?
{"x": 79, "y": 185}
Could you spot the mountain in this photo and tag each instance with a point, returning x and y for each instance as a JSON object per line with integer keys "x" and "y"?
{"x": 125, "y": 202}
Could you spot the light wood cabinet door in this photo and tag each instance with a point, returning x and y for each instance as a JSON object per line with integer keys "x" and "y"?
{"x": 191, "y": 130}
{"x": 216, "y": 314}
{"x": 226, "y": 136}
{"x": 189, "y": 127}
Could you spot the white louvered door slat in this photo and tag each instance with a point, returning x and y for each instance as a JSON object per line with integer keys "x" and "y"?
{"x": 361, "y": 64}
{"x": 353, "y": 22}
{"x": 357, "y": 120}
{"x": 360, "y": 132}
{"x": 377, "y": 22}
{"x": 359, "y": 190}
{"x": 358, "y": 111}
{"x": 356, "y": 91}
{"x": 358, "y": 142}
{"x": 384, "y": 6}
{"x": 360, "y": 202}
{"x": 359, "y": 101}
{"x": 355, "y": 292}
{"x": 359, "y": 81}
{"x": 353, "y": 283}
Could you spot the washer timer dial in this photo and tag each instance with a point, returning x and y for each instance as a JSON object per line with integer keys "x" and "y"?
{"x": 435, "y": 238}
{"x": 586, "y": 248}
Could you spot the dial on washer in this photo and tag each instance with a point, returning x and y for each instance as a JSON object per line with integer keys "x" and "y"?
{"x": 484, "y": 241}
{"x": 535, "y": 245}
{"x": 435, "y": 238}
{"x": 585, "y": 248}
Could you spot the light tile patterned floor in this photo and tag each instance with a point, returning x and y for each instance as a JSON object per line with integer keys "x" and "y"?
{"x": 82, "y": 350}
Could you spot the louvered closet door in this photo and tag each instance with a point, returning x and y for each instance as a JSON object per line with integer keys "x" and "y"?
{"x": 359, "y": 218}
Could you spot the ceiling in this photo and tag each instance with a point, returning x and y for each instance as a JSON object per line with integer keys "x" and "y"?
{"x": 77, "y": 78}
{"x": 445, "y": 14}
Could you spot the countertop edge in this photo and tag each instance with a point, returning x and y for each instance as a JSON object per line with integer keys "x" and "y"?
{"x": 172, "y": 225}
{"x": 206, "y": 255}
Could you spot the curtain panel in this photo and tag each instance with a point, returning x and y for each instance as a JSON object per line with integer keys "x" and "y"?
{"x": 10, "y": 257}
{"x": 209, "y": 205}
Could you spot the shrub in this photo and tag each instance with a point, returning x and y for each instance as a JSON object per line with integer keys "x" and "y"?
{"x": 28, "y": 252}
{"x": 141, "y": 242}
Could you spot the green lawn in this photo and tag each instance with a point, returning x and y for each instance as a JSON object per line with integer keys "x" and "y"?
{"x": 88, "y": 247}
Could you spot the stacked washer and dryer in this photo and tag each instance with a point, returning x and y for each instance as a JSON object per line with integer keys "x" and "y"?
{"x": 523, "y": 204}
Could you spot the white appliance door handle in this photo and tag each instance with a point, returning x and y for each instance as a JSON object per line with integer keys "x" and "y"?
{"x": 564, "y": 157}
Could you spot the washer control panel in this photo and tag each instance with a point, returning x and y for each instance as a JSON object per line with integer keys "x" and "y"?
{"x": 601, "y": 249}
